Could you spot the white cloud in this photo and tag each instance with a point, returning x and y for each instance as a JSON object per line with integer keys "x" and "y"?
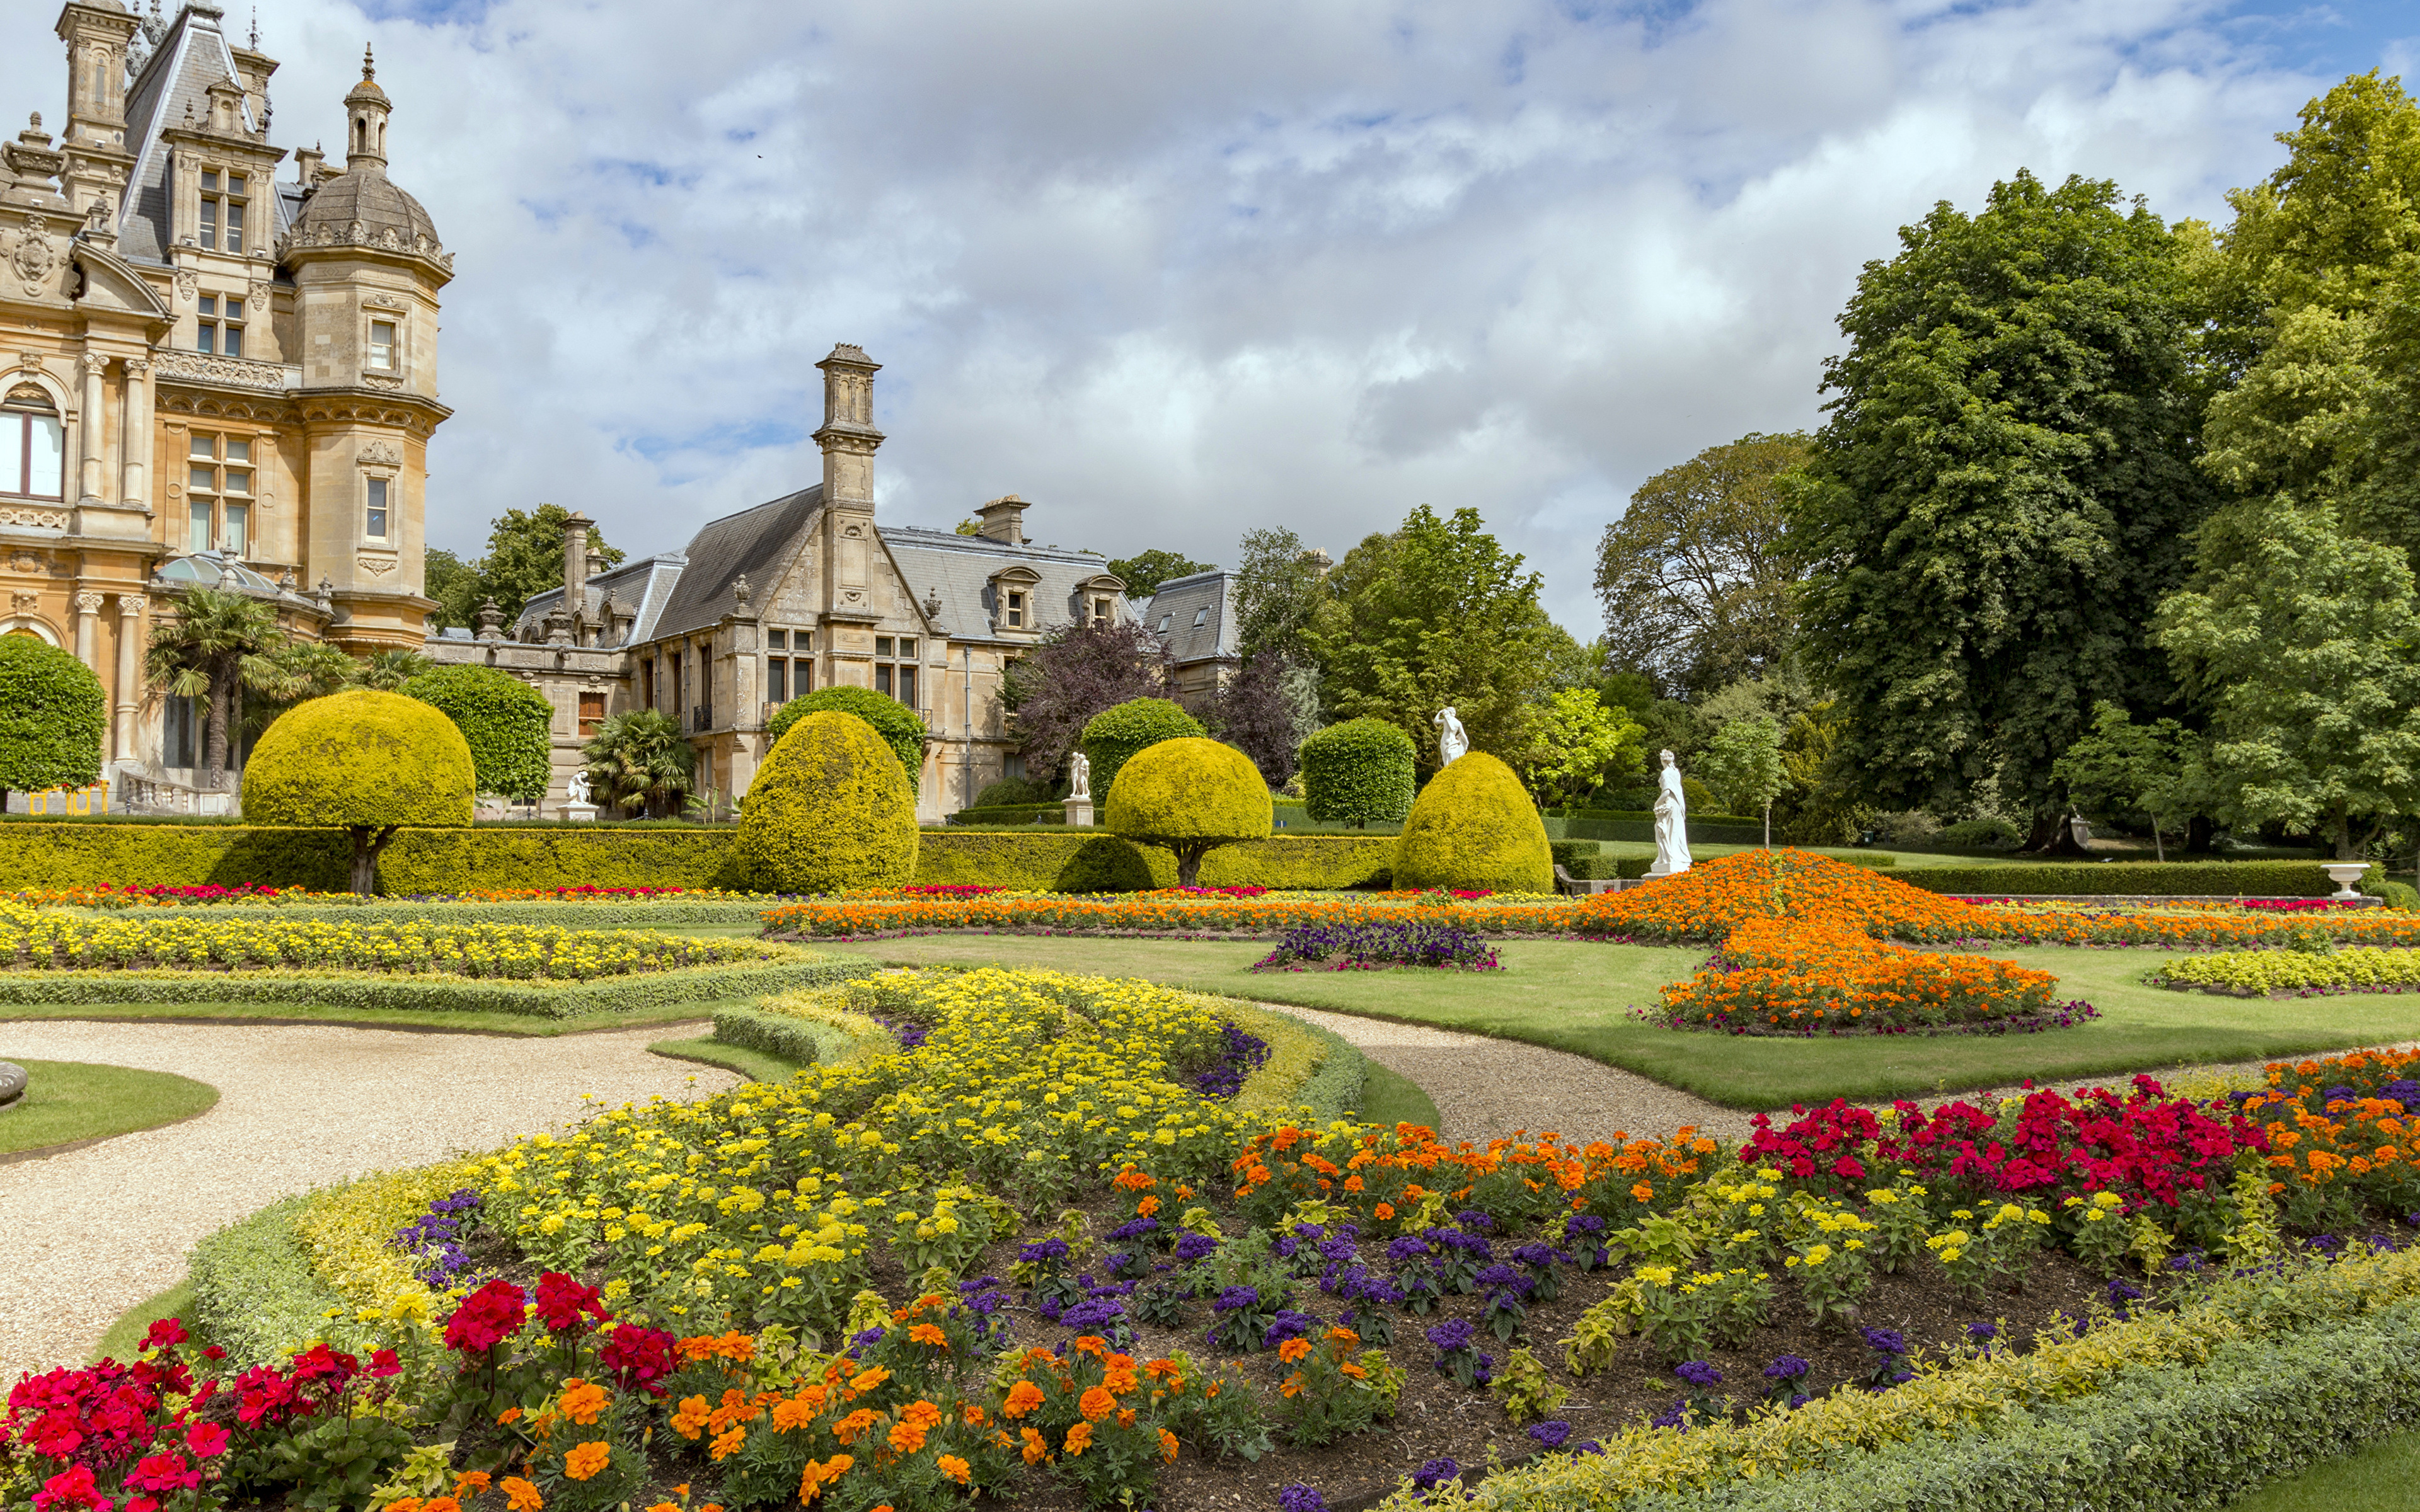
{"x": 1182, "y": 269}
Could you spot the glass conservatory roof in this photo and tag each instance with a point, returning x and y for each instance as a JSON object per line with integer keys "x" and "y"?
{"x": 208, "y": 569}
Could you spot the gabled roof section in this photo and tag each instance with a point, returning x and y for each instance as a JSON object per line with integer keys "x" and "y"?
{"x": 957, "y": 572}
{"x": 644, "y": 586}
{"x": 190, "y": 58}
{"x": 754, "y": 543}
{"x": 1206, "y": 598}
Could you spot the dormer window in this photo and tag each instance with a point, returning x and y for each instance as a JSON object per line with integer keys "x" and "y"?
{"x": 223, "y": 203}
{"x": 1100, "y": 609}
{"x": 1016, "y": 620}
{"x": 1201, "y": 616}
{"x": 1163, "y": 623}
{"x": 33, "y": 445}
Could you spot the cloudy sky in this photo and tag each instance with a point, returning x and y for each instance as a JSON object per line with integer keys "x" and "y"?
{"x": 1173, "y": 270}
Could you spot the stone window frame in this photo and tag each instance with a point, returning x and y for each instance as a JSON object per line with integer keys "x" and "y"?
{"x": 390, "y": 473}
{"x": 193, "y": 195}
{"x": 57, "y": 414}
{"x": 376, "y": 309}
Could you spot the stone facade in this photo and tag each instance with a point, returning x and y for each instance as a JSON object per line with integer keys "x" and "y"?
{"x": 801, "y": 593}
{"x": 209, "y": 375}
{"x": 1196, "y": 616}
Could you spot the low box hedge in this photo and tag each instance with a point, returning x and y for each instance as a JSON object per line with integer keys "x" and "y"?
{"x": 462, "y": 860}
{"x": 1307, "y": 1067}
{"x": 1711, "y": 829}
{"x": 634, "y": 915}
{"x": 1082, "y": 861}
{"x": 257, "y": 1295}
{"x": 1011, "y": 814}
{"x": 809, "y": 1041}
{"x": 2146, "y": 879}
{"x": 426, "y": 994}
{"x": 93, "y": 853}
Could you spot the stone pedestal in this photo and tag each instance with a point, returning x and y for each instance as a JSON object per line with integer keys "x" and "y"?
{"x": 2344, "y": 874}
{"x": 1080, "y": 813}
{"x": 579, "y": 814}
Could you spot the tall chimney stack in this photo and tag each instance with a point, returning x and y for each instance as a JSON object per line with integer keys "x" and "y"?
{"x": 575, "y": 565}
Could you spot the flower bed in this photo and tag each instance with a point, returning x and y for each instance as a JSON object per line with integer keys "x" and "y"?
{"x": 1399, "y": 942}
{"x": 108, "y": 895}
{"x": 2258, "y": 973}
{"x": 1171, "y": 911}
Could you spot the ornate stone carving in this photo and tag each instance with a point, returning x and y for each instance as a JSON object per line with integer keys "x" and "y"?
{"x": 91, "y": 364}
{"x": 88, "y": 602}
{"x": 189, "y": 283}
{"x": 137, "y": 367}
{"x": 380, "y": 455}
{"x": 35, "y": 259}
{"x": 259, "y": 296}
{"x": 388, "y": 384}
{"x": 43, "y": 520}
{"x": 383, "y": 301}
{"x": 25, "y": 602}
{"x": 375, "y": 566}
{"x": 235, "y": 371}
{"x": 21, "y": 560}
{"x": 131, "y": 605}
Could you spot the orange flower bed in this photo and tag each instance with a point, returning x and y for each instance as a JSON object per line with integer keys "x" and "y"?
{"x": 2342, "y": 1133}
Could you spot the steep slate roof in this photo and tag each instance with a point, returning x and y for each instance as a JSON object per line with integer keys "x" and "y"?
{"x": 180, "y": 73}
{"x": 644, "y": 585}
{"x": 960, "y": 567}
{"x": 754, "y": 542}
{"x": 1206, "y": 595}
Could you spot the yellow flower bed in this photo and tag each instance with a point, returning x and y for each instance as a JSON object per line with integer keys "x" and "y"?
{"x": 2349, "y": 969}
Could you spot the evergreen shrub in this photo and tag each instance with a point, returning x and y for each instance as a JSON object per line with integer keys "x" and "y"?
{"x": 507, "y": 724}
{"x": 2145, "y": 879}
{"x": 1474, "y": 827}
{"x": 1012, "y": 790}
{"x": 52, "y": 715}
{"x": 1191, "y": 796}
{"x": 831, "y": 809}
{"x": 370, "y": 762}
{"x": 1117, "y": 732}
{"x": 894, "y": 721}
{"x": 1358, "y": 772}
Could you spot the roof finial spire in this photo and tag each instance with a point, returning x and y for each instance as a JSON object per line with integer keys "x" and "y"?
{"x": 255, "y": 28}
{"x": 369, "y": 64}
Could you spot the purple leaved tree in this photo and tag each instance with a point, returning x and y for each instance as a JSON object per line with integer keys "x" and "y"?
{"x": 1054, "y": 691}
{"x": 1261, "y": 712}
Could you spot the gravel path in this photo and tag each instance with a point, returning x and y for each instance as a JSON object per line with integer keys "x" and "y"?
{"x": 91, "y": 1232}
{"x": 1484, "y": 1086}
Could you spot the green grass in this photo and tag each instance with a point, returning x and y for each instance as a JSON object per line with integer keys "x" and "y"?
{"x": 1389, "y": 1097}
{"x": 1575, "y": 997}
{"x": 2380, "y": 1477}
{"x": 125, "y": 1336}
{"x": 65, "y": 1100}
{"x": 100, "y": 1009}
{"x": 755, "y": 1065}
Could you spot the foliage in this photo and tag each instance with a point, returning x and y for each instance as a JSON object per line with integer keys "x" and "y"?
{"x": 1114, "y": 736}
{"x": 2002, "y": 492}
{"x": 387, "y": 671}
{"x": 1277, "y": 588}
{"x": 52, "y": 718}
{"x": 507, "y": 724}
{"x": 1143, "y": 572}
{"x": 1071, "y": 677}
{"x": 1436, "y": 614}
{"x": 638, "y": 759}
{"x": 1473, "y": 826}
{"x": 1011, "y": 791}
{"x": 2299, "y": 641}
{"x": 1191, "y": 796}
{"x": 899, "y": 725}
{"x": 454, "y": 585}
{"x": 524, "y": 559}
{"x": 829, "y": 810}
{"x": 2123, "y": 765}
{"x": 1744, "y": 764}
{"x": 1264, "y": 711}
{"x": 1695, "y": 587}
{"x": 370, "y": 762}
{"x": 1576, "y": 747}
{"x": 212, "y": 647}
{"x": 1358, "y": 772}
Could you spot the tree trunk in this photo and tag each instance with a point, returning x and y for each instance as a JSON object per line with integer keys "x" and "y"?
{"x": 1768, "y": 824}
{"x": 235, "y": 724}
{"x": 2052, "y": 836}
{"x": 2159, "y": 845}
{"x": 1188, "y": 864}
{"x": 215, "y": 737}
{"x": 369, "y": 841}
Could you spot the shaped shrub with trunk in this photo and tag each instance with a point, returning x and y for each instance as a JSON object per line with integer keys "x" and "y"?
{"x": 1474, "y": 827}
{"x": 507, "y": 724}
{"x": 895, "y": 722}
{"x": 369, "y": 762}
{"x": 1191, "y": 796}
{"x": 1357, "y": 773}
{"x": 1114, "y": 734}
{"x": 52, "y": 715}
{"x": 831, "y": 809}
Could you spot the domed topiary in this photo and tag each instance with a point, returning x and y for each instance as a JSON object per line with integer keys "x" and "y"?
{"x": 1191, "y": 795}
{"x": 1474, "y": 827}
{"x": 894, "y": 721}
{"x": 1116, "y": 734}
{"x": 507, "y": 724}
{"x": 829, "y": 810}
{"x": 367, "y": 761}
{"x": 1357, "y": 773}
{"x": 52, "y": 715}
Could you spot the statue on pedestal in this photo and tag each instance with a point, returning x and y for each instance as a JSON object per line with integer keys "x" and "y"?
{"x": 1079, "y": 776}
{"x": 580, "y": 788}
{"x": 1453, "y": 742}
{"x": 1671, "y": 822}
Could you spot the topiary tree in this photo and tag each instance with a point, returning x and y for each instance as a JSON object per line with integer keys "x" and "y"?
{"x": 507, "y": 724}
{"x": 1191, "y": 796}
{"x": 1474, "y": 827}
{"x": 829, "y": 810}
{"x": 894, "y": 721}
{"x": 369, "y": 762}
{"x": 1116, "y": 734}
{"x": 52, "y": 716}
{"x": 1357, "y": 773}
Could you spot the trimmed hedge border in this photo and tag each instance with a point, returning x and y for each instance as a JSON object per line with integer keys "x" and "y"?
{"x": 807, "y": 1040}
{"x": 451, "y": 995}
{"x": 633, "y": 914}
{"x": 1089, "y": 862}
{"x": 1308, "y": 1066}
{"x": 2132, "y": 879}
{"x": 256, "y": 1296}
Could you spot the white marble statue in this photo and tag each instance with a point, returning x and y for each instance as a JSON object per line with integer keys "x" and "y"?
{"x": 1453, "y": 741}
{"x": 579, "y": 786}
{"x": 1671, "y": 822}
{"x": 1079, "y": 776}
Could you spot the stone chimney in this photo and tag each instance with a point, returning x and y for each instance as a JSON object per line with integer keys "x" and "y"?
{"x": 306, "y": 166}
{"x": 1003, "y": 520}
{"x": 575, "y": 565}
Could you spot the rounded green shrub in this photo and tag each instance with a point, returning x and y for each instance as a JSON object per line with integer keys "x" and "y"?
{"x": 1357, "y": 773}
{"x": 1116, "y": 734}
{"x": 508, "y": 725}
{"x": 1191, "y": 795}
{"x": 894, "y": 721}
{"x": 52, "y": 715}
{"x": 367, "y": 761}
{"x": 831, "y": 809}
{"x": 1474, "y": 827}
{"x": 1011, "y": 790}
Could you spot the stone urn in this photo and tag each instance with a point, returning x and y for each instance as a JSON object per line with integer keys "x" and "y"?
{"x": 2344, "y": 874}
{"x": 12, "y": 1086}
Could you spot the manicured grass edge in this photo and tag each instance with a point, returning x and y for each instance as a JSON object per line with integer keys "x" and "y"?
{"x": 755, "y": 1065}
{"x": 102, "y": 1127}
{"x": 1390, "y": 1097}
{"x": 125, "y": 1336}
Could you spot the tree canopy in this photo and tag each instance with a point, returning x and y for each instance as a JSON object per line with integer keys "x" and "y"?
{"x": 52, "y": 715}
{"x": 1278, "y": 589}
{"x": 524, "y": 559}
{"x": 1071, "y": 674}
{"x": 1143, "y": 572}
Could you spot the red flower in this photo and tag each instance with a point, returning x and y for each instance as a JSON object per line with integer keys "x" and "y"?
{"x": 561, "y": 1301}
{"x": 384, "y": 1363}
{"x": 639, "y": 1358}
{"x": 166, "y": 1333}
{"x": 205, "y": 1440}
{"x": 486, "y": 1318}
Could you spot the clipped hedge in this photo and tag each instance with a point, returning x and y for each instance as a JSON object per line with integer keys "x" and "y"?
{"x": 1191, "y": 795}
{"x": 1011, "y": 814}
{"x": 1358, "y": 772}
{"x": 894, "y": 721}
{"x": 1080, "y": 861}
{"x": 1474, "y": 827}
{"x": 831, "y": 808}
{"x": 90, "y": 852}
{"x": 508, "y": 725}
{"x": 1116, "y": 734}
{"x": 467, "y": 860}
{"x": 797, "y": 1028}
{"x": 1308, "y": 1067}
{"x": 52, "y": 718}
{"x": 2148, "y": 879}
{"x": 255, "y": 1294}
{"x": 309, "y": 990}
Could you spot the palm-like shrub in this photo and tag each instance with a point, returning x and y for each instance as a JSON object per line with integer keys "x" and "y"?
{"x": 831, "y": 809}
{"x": 53, "y": 714}
{"x": 367, "y": 761}
{"x": 212, "y": 648}
{"x": 1357, "y": 773}
{"x": 507, "y": 724}
{"x": 639, "y": 760}
{"x": 1189, "y": 796}
{"x": 894, "y": 721}
{"x": 1115, "y": 734}
{"x": 1474, "y": 827}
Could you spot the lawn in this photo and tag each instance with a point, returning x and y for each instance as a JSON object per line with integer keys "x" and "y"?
{"x": 1575, "y": 997}
{"x": 67, "y": 1101}
{"x": 2380, "y": 1475}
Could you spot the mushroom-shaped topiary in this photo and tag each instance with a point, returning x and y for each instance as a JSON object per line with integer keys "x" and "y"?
{"x": 1191, "y": 796}
{"x": 367, "y": 761}
{"x": 1474, "y": 827}
{"x": 895, "y": 722}
{"x": 51, "y": 716}
{"x": 1114, "y": 734}
{"x": 1357, "y": 773}
{"x": 829, "y": 810}
{"x": 508, "y": 725}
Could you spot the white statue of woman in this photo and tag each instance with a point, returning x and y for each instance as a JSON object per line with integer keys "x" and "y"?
{"x": 1453, "y": 742}
{"x": 580, "y": 788}
{"x": 1079, "y": 776}
{"x": 1671, "y": 822}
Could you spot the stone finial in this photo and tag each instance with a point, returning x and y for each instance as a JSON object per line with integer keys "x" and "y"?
{"x": 492, "y": 615}
{"x": 740, "y": 592}
{"x": 369, "y": 62}
{"x": 932, "y": 601}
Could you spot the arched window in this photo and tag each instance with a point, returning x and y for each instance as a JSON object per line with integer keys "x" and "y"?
{"x": 33, "y": 445}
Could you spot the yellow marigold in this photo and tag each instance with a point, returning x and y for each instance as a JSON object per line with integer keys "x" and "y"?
{"x": 586, "y": 1460}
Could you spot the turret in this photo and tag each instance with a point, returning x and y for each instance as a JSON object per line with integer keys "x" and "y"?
{"x": 367, "y": 108}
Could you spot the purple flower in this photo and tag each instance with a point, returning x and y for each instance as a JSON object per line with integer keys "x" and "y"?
{"x": 1050, "y": 1249}
{"x": 1505, "y": 1278}
{"x": 1288, "y": 1324}
{"x": 1788, "y": 1367}
{"x": 1092, "y": 1315}
{"x": 1407, "y": 1249}
{"x": 1434, "y": 1470}
{"x": 1135, "y": 1229}
{"x": 1698, "y": 1373}
{"x": 1235, "y": 1297}
{"x": 1552, "y": 1433}
{"x": 1191, "y": 1247}
{"x": 1537, "y": 1256}
{"x": 1982, "y": 1333}
{"x": 1886, "y": 1340}
{"x": 1475, "y": 1221}
{"x": 1300, "y": 1498}
{"x": 867, "y": 1339}
{"x": 1452, "y": 1334}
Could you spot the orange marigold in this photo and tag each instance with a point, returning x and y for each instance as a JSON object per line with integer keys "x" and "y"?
{"x": 586, "y": 1460}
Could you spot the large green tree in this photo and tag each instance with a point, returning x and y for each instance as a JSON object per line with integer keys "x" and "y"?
{"x": 1280, "y": 583}
{"x": 524, "y": 558}
{"x": 1143, "y": 572}
{"x": 1696, "y": 590}
{"x": 52, "y": 715}
{"x": 2003, "y": 490}
{"x": 1434, "y": 614}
